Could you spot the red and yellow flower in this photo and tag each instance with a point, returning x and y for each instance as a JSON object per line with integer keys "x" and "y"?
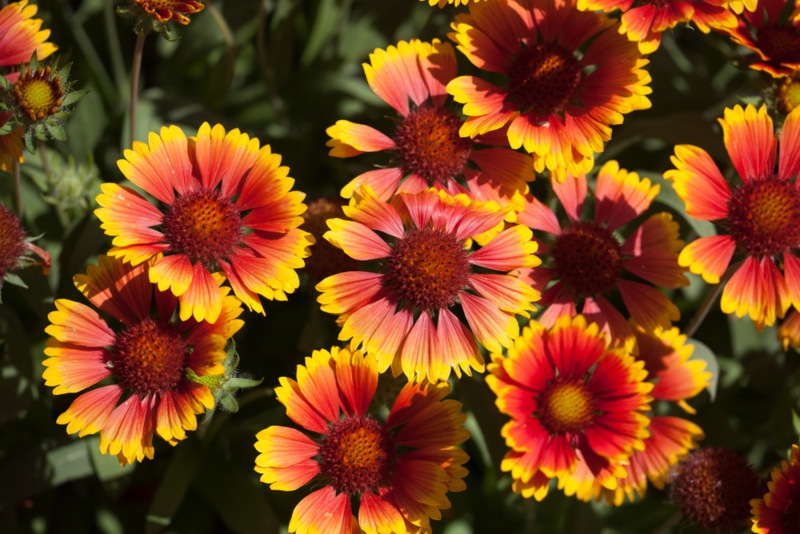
{"x": 425, "y": 145}
{"x": 773, "y": 35}
{"x": 760, "y": 211}
{"x": 586, "y": 260}
{"x": 395, "y": 470}
{"x": 133, "y": 377}
{"x": 778, "y": 512}
{"x": 402, "y": 311}
{"x": 574, "y": 399}
{"x": 16, "y": 248}
{"x": 644, "y": 21}
{"x": 226, "y": 211}
{"x": 567, "y": 77}
{"x": 166, "y": 10}
{"x": 21, "y": 34}
{"x": 675, "y": 378}
{"x": 10, "y": 144}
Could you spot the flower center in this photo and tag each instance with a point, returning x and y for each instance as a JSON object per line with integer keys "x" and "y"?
{"x": 780, "y": 43}
{"x": 149, "y": 357}
{"x": 588, "y": 258}
{"x": 164, "y": 10}
{"x": 427, "y": 268}
{"x": 203, "y": 225}
{"x": 356, "y": 454}
{"x": 12, "y": 241}
{"x": 39, "y": 95}
{"x": 429, "y": 146}
{"x": 544, "y": 78}
{"x": 566, "y": 405}
{"x": 789, "y": 93}
{"x": 764, "y": 216}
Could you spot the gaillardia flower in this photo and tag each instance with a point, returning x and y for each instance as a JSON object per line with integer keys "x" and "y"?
{"x": 425, "y": 146}
{"x": 166, "y": 10}
{"x": 761, "y": 213}
{"x": 16, "y": 247}
{"x": 773, "y": 34}
{"x": 573, "y": 398}
{"x": 144, "y": 361}
{"x": 643, "y": 21}
{"x": 675, "y": 378}
{"x": 394, "y": 469}
{"x": 401, "y": 310}
{"x": 787, "y": 93}
{"x": 778, "y": 512}
{"x": 21, "y": 34}
{"x": 567, "y": 76}
{"x": 226, "y": 210}
{"x": 586, "y": 260}
{"x": 10, "y": 141}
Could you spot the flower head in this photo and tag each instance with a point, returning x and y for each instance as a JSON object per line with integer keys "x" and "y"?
{"x": 573, "y": 398}
{"x": 395, "y": 470}
{"x": 586, "y": 260}
{"x": 10, "y": 141}
{"x": 713, "y": 487}
{"x": 16, "y": 247}
{"x": 402, "y": 311}
{"x": 772, "y": 34}
{"x": 760, "y": 212}
{"x": 224, "y": 209}
{"x": 675, "y": 378}
{"x": 425, "y": 145}
{"x": 567, "y": 77}
{"x": 143, "y": 356}
{"x": 21, "y": 34}
{"x": 643, "y": 21}
{"x": 778, "y": 512}
{"x": 166, "y": 10}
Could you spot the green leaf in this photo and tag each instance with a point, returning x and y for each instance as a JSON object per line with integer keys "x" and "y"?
{"x": 174, "y": 486}
{"x": 703, "y": 353}
{"x": 56, "y": 132}
{"x": 70, "y": 462}
{"x": 74, "y": 96}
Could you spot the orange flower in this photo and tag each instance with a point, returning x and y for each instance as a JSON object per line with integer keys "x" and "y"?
{"x": 165, "y": 10}
{"x": 425, "y": 145}
{"x": 396, "y": 469}
{"x": 573, "y": 398}
{"x": 21, "y": 34}
{"x": 403, "y": 314}
{"x": 761, "y": 213}
{"x": 143, "y": 361}
{"x": 778, "y": 512}
{"x": 566, "y": 77}
{"x": 226, "y": 211}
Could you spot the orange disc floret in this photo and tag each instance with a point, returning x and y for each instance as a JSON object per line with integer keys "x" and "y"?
{"x": 392, "y": 470}
{"x": 166, "y": 10}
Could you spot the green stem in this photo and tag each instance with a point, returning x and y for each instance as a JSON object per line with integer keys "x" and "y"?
{"x": 708, "y": 302}
{"x": 136, "y": 69}
{"x": 671, "y": 521}
{"x": 16, "y": 173}
{"x": 114, "y": 48}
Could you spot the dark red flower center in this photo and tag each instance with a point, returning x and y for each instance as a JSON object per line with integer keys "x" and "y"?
{"x": 429, "y": 146}
{"x": 357, "y": 455}
{"x": 427, "y": 269}
{"x": 566, "y": 405}
{"x": 764, "y": 216}
{"x": 588, "y": 258}
{"x": 12, "y": 241}
{"x": 790, "y": 484}
{"x": 544, "y": 78}
{"x": 202, "y": 225}
{"x": 780, "y": 43}
{"x": 149, "y": 357}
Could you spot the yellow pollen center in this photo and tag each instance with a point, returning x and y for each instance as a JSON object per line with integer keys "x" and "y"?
{"x": 361, "y": 448}
{"x": 566, "y": 406}
{"x": 789, "y": 93}
{"x": 37, "y": 94}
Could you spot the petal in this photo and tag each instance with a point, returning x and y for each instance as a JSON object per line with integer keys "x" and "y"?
{"x": 89, "y": 412}
{"x": 356, "y": 240}
{"x": 322, "y": 512}
{"x": 789, "y": 162}
{"x": 203, "y": 299}
{"x": 349, "y": 139}
{"x": 571, "y": 192}
{"x": 377, "y": 515}
{"x": 76, "y": 323}
{"x": 750, "y": 141}
{"x": 493, "y": 328}
{"x": 708, "y": 256}
{"x": 509, "y": 250}
{"x": 173, "y": 273}
{"x": 698, "y": 182}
